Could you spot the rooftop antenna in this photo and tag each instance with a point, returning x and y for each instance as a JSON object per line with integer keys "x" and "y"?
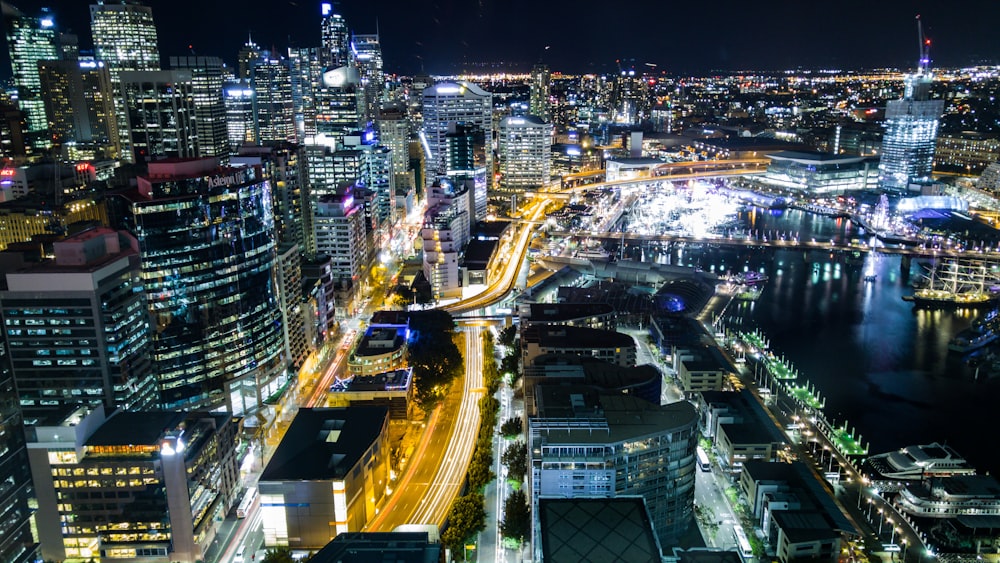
{"x": 924, "y": 48}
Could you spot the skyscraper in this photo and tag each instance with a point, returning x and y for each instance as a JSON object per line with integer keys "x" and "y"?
{"x": 124, "y": 39}
{"x": 209, "y": 111}
{"x": 334, "y": 38}
{"x": 524, "y": 149}
{"x": 161, "y": 114}
{"x": 79, "y": 104}
{"x": 910, "y": 138}
{"x": 78, "y": 326}
{"x": 539, "y": 96}
{"x": 274, "y": 108}
{"x": 207, "y": 249}
{"x": 366, "y": 55}
{"x": 466, "y": 154}
{"x": 30, "y": 39}
{"x": 237, "y": 98}
{"x": 445, "y": 105}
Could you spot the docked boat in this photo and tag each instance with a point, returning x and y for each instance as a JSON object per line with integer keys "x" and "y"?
{"x": 959, "y": 282}
{"x": 918, "y": 462}
{"x": 972, "y": 338}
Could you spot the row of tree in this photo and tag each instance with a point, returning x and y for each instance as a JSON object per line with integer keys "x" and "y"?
{"x": 434, "y": 356}
{"x": 467, "y": 516}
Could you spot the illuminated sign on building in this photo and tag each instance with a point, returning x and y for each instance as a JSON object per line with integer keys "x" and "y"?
{"x": 234, "y": 178}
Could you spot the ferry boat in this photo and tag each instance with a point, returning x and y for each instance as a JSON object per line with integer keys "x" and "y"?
{"x": 959, "y": 282}
{"x": 976, "y": 336}
{"x": 918, "y": 462}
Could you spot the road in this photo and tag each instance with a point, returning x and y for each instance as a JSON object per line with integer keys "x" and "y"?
{"x": 437, "y": 470}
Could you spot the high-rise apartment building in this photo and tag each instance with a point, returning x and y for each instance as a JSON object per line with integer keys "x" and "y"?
{"x": 293, "y": 308}
{"x": 30, "y": 39}
{"x": 339, "y": 223}
{"x": 910, "y": 137}
{"x": 539, "y": 94}
{"x": 207, "y": 249}
{"x": 467, "y": 149}
{"x": 306, "y": 74}
{"x": 630, "y": 98}
{"x": 209, "y": 110}
{"x": 394, "y": 132}
{"x": 161, "y": 114}
{"x": 334, "y": 38}
{"x": 445, "y": 232}
{"x": 445, "y": 105}
{"x": 524, "y": 151}
{"x": 16, "y": 542}
{"x": 77, "y": 326}
{"x": 238, "y": 101}
{"x": 647, "y": 450}
{"x": 79, "y": 104}
{"x": 125, "y": 40}
{"x": 274, "y": 108}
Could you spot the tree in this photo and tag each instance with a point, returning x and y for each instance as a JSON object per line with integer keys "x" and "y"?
{"x": 510, "y": 363}
{"x": 516, "y": 522}
{"x": 480, "y": 472}
{"x": 511, "y": 427}
{"x": 278, "y": 555}
{"x": 435, "y": 358}
{"x": 507, "y": 336}
{"x": 466, "y": 517}
{"x": 515, "y": 457}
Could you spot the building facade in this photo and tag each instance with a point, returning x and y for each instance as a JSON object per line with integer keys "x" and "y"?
{"x": 206, "y": 242}
{"x": 524, "y": 149}
{"x": 910, "y": 137}
{"x": 445, "y": 105}
{"x": 161, "y": 114}
{"x": 30, "y": 40}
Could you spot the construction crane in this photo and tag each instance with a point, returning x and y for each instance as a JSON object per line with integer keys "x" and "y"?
{"x": 923, "y": 48}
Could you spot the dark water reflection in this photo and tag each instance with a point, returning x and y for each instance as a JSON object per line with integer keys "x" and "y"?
{"x": 883, "y": 365}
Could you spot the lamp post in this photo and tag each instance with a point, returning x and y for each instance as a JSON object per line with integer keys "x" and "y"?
{"x": 905, "y": 545}
{"x": 880, "y": 521}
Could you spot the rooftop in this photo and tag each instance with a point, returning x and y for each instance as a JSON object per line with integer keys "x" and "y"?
{"x": 562, "y": 312}
{"x": 379, "y": 547}
{"x": 562, "y": 409}
{"x": 135, "y": 428}
{"x": 563, "y": 336}
{"x": 323, "y": 444}
{"x": 814, "y": 157}
{"x": 597, "y": 529}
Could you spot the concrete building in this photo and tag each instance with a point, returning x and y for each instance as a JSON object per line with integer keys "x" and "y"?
{"x": 79, "y": 104}
{"x": 293, "y": 311}
{"x": 607, "y": 345}
{"x": 446, "y": 104}
{"x": 30, "y": 40}
{"x": 590, "y": 315}
{"x": 273, "y": 106}
{"x": 524, "y": 152}
{"x": 339, "y": 227}
{"x": 38, "y": 214}
{"x": 797, "y": 514}
{"x": 382, "y": 348}
{"x": 538, "y": 98}
{"x": 584, "y": 443}
{"x": 740, "y": 428}
{"x": 597, "y": 529}
{"x": 209, "y": 109}
{"x": 700, "y": 368}
{"x": 398, "y": 547}
{"x": 327, "y": 476}
{"x": 445, "y": 232}
{"x": 968, "y": 152}
{"x": 94, "y": 286}
{"x": 165, "y": 481}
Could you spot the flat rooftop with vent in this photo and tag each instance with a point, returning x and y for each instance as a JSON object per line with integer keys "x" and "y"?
{"x": 328, "y": 474}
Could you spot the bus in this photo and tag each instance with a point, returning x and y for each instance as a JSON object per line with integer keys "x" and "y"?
{"x": 703, "y": 462}
{"x": 244, "y": 508}
{"x": 742, "y": 543}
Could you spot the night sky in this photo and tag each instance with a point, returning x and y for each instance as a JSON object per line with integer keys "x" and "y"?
{"x": 441, "y": 36}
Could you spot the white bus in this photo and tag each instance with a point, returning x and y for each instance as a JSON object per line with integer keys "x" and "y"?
{"x": 244, "y": 507}
{"x": 703, "y": 462}
{"x": 742, "y": 543}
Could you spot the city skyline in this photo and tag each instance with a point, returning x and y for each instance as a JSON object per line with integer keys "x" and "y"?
{"x": 448, "y": 36}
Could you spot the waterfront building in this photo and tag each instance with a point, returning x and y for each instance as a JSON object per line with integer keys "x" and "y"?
{"x": 700, "y": 367}
{"x": 909, "y": 140}
{"x": 967, "y": 152}
{"x": 797, "y": 514}
{"x": 989, "y": 180}
{"x": 538, "y": 98}
{"x": 149, "y": 487}
{"x": 445, "y": 232}
{"x": 585, "y": 443}
{"x": 334, "y": 38}
{"x": 273, "y": 106}
{"x": 524, "y": 152}
{"x": 390, "y": 389}
{"x": 124, "y": 40}
{"x": 326, "y": 477}
{"x": 209, "y": 109}
{"x": 608, "y": 345}
{"x": 740, "y": 428}
{"x": 77, "y": 327}
{"x": 815, "y": 173}
{"x": 30, "y": 40}
{"x": 161, "y": 114}
{"x": 17, "y": 545}
{"x": 643, "y": 382}
{"x": 889, "y": 471}
{"x": 206, "y": 241}
{"x": 591, "y": 315}
{"x": 445, "y": 105}
{"x": 79, "y": 104}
